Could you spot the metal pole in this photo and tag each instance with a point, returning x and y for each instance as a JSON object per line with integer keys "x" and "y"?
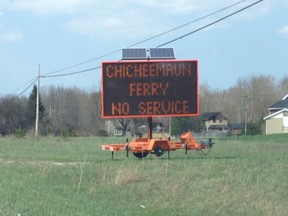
{"x": 127, "y": 148}
{"x": 149, "y": 119}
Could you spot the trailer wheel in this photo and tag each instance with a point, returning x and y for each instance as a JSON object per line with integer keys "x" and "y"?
{"x": 158, "y": 151}
{"x": 204, "y": 151}
{"x": 140, "y": 154}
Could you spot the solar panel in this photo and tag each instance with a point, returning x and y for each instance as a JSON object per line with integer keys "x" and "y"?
{"x": 141, "y": 53}
{"x": 162, "y": 53}
{"x": 134, "y": 53}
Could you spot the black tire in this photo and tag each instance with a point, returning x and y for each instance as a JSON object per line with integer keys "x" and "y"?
{"x": 140, "y": 154}
{"x": 158, "y": 151}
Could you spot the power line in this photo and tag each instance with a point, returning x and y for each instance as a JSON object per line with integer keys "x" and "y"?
{"x": 72, "y": 73}
{"x": 33, "y": 82}
{"x": 145, "y": 40}
{"x": 171, "y": 41}
{"x": 212, "y": 23}
{"x": 188, "y": 23}
{"x": 28, "y": 82}
{"x": 150, "y": 38}
{"x": 82, "y": 63}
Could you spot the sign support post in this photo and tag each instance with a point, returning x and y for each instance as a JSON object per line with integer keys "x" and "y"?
{"x": 149, "y": 119}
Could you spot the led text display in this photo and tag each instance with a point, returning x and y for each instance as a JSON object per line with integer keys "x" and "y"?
{"x": 149, "y": 88}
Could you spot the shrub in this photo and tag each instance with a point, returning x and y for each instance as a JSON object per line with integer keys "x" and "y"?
{"x": 19, "y": 132}
{"x": 101, "y": 133}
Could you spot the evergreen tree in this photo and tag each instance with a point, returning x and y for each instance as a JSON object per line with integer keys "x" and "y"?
{"x": 31, "y": 109}
{"x": 180, "y": 125}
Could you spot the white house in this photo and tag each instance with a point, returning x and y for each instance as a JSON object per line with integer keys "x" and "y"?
{"x": 277, "y": 120}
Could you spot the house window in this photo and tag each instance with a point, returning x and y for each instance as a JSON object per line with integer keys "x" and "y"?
{"x": 118, "y": 132}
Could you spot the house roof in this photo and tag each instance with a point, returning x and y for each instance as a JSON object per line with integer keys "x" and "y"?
{"x": 218, "y": 127}
{"x": 236, "y": 126}
{"x": 276, "y": 113}
{"x": 210, "y": 115}
{"x": 280, "y": 104}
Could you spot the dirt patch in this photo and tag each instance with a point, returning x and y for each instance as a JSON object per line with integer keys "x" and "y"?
{"x": 40, "y": 163}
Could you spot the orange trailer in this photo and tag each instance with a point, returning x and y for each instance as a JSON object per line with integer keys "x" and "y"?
{"x": 141, "y": 147}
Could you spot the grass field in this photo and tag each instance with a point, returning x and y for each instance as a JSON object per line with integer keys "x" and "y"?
{"x": 54, "y": 176}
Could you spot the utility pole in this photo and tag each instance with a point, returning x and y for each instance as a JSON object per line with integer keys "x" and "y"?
{"x": 245, "y": 114}
{"x": 37, "y": 104}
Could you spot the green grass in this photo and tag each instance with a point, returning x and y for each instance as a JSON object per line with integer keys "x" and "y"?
{"x": 53, "y": 176}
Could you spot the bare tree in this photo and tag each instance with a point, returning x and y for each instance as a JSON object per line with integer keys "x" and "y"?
{"x": 283, "y": 87}
{"x": 124, "y": 124}
{"x": 12, "y": 114}
{"x": 263, "y": 94}
{"x": 252, "y": 95}
{"x": 206, "y": 98}
{"x": 73, "y": 109}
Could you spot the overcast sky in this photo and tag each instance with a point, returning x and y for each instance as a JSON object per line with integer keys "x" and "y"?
{"x": 59, "y": 34}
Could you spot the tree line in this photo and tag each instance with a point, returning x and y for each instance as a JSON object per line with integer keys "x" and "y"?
{"x": 73, "y": 111}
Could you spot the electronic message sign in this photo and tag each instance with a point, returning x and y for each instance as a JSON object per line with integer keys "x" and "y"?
{"x": 150, "y": 88}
